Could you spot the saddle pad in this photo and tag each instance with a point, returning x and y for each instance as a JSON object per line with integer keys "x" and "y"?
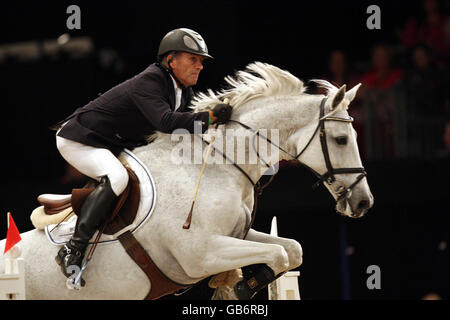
{"x": 61, "y": 234}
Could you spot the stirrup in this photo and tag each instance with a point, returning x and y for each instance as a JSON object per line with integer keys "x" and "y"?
{"x": 70, "y": 259}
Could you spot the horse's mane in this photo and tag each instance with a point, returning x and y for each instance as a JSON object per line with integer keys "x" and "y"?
{"x": 257, "y": 80}
{"x": 329, "y": 88}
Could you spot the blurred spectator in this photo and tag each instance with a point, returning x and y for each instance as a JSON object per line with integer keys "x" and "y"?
{"x": 445, "y": 152}
{"x": 432, "y": 28}
{"x": 442, "y": 160}
{"x": 339, "y": 73}
{"x": 383, "y": 108}
{"x": 447, "y": 136}
{"x": 383, "y": 76}
{"x": 426, "y": 95}
{"x": 426, "y": 84}
{"x": 431, "y": 296}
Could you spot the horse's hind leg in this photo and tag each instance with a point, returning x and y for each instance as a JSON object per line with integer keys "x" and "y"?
{"x": 292, "y": 247}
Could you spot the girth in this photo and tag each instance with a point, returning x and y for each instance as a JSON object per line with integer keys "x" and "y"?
{"x": 160, "y": 284}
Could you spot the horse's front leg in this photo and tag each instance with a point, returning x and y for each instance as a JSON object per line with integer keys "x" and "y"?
{"x": 221, "y": 253}
{"x": 223, "y": 282}
{"x": 261, "y": 264}
{"x": 292, "y": 247}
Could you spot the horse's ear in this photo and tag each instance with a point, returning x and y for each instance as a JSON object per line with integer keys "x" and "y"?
{"x": 350, "y": 95}
{"x": 338, "y": 97}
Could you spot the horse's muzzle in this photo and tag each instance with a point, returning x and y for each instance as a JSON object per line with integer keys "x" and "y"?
{"x": 363, "y": 206}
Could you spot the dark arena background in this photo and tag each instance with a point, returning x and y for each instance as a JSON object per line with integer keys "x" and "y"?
{"x": 401, "y": 116}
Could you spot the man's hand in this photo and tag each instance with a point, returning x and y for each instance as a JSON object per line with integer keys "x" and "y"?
{"x": 220, "y": 114}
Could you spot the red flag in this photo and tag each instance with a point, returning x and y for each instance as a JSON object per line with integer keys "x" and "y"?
{"x": 13, "y": 235}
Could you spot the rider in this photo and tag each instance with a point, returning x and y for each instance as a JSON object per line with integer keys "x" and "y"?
{"x": 93, "y": 136}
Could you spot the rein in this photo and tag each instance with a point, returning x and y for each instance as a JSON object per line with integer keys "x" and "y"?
{"x": 328, "y": 177}
{"x": 257, "y": 186}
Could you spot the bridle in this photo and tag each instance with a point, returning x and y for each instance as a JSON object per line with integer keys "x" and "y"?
{"x": 328, "y": 177}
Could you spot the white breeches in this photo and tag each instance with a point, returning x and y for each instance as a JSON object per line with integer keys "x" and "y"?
{"x": 94, "y": 162}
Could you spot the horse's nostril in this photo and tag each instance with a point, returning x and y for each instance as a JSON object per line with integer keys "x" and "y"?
{"x": 363, "y": 204}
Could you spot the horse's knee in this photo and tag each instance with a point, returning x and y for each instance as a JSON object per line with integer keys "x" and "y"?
{"x": 295, "y": 254}
{"x": 280, "y": 260}
{"x": 194, "y": 272}
{"x": 197, "y": 267}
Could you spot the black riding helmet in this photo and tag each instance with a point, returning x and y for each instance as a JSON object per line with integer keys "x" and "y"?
{"x": 183, "y": 39}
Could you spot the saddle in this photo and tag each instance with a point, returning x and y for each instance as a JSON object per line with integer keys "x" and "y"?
{"x": 122, "y": 216}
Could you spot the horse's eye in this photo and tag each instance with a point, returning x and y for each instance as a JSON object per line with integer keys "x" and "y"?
{"x": 341, "y": 140}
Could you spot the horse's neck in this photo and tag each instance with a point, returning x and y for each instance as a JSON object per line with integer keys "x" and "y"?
{"x": 286, "y": 115}
{"x": 282, "y": 113}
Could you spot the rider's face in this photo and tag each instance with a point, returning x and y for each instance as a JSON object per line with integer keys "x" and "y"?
{"x": 186, "y": 67}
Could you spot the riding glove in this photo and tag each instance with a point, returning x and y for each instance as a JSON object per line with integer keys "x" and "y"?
{"x": 220, "y": 114}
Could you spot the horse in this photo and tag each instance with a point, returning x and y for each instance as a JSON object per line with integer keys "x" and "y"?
{"x": 314, "y": 129}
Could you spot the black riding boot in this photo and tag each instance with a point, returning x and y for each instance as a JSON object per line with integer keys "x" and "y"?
{"x": 94, "y": 211}
{"x": 256, "y": 277}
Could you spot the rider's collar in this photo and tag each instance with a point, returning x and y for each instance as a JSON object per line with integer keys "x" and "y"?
{"x": 170, "y": 72}
{"x": 175, "y": 83}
